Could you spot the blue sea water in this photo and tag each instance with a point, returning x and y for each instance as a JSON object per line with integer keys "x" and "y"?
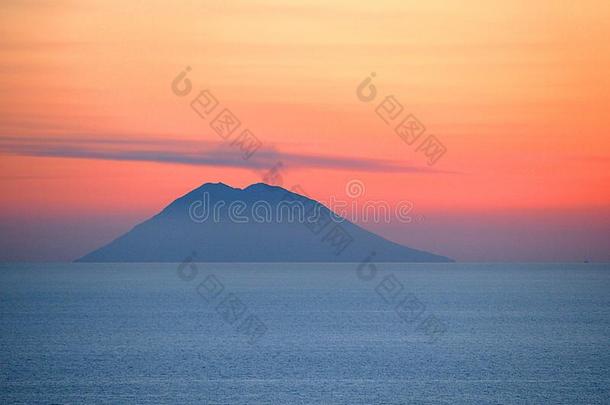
{"x": 407, "y": 333}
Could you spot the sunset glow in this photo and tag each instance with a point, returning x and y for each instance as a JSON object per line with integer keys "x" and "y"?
{"x": 517, "y": 92}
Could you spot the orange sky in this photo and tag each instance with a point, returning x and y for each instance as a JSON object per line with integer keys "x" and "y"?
{"x": 517, "y": 91}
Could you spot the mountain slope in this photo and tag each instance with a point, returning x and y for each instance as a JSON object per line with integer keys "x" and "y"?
{"x": 260, "y": 223}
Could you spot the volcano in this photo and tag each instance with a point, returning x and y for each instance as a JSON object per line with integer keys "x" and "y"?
{"x": 259, "y": 223}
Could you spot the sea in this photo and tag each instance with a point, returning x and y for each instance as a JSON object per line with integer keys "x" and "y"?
{"x": 360, "y": 333}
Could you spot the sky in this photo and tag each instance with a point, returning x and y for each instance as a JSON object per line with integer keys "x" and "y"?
{"x": 94, "y": 137}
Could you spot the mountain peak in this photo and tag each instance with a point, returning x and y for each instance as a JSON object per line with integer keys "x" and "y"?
{"x": 258, "y": 185}
{"x": 263, "y": 187}
{"x": 218, "y": 185}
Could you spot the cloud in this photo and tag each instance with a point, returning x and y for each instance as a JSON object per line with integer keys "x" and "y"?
{"x": 190, "y": 152}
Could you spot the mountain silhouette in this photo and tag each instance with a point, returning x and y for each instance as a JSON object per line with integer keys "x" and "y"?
{"x": 260, "y": 223}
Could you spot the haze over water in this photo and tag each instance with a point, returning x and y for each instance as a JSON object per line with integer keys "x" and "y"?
{"x": 142, "y": 333}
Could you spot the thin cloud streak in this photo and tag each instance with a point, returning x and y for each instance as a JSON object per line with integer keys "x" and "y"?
{"x": 190, "y": 152}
